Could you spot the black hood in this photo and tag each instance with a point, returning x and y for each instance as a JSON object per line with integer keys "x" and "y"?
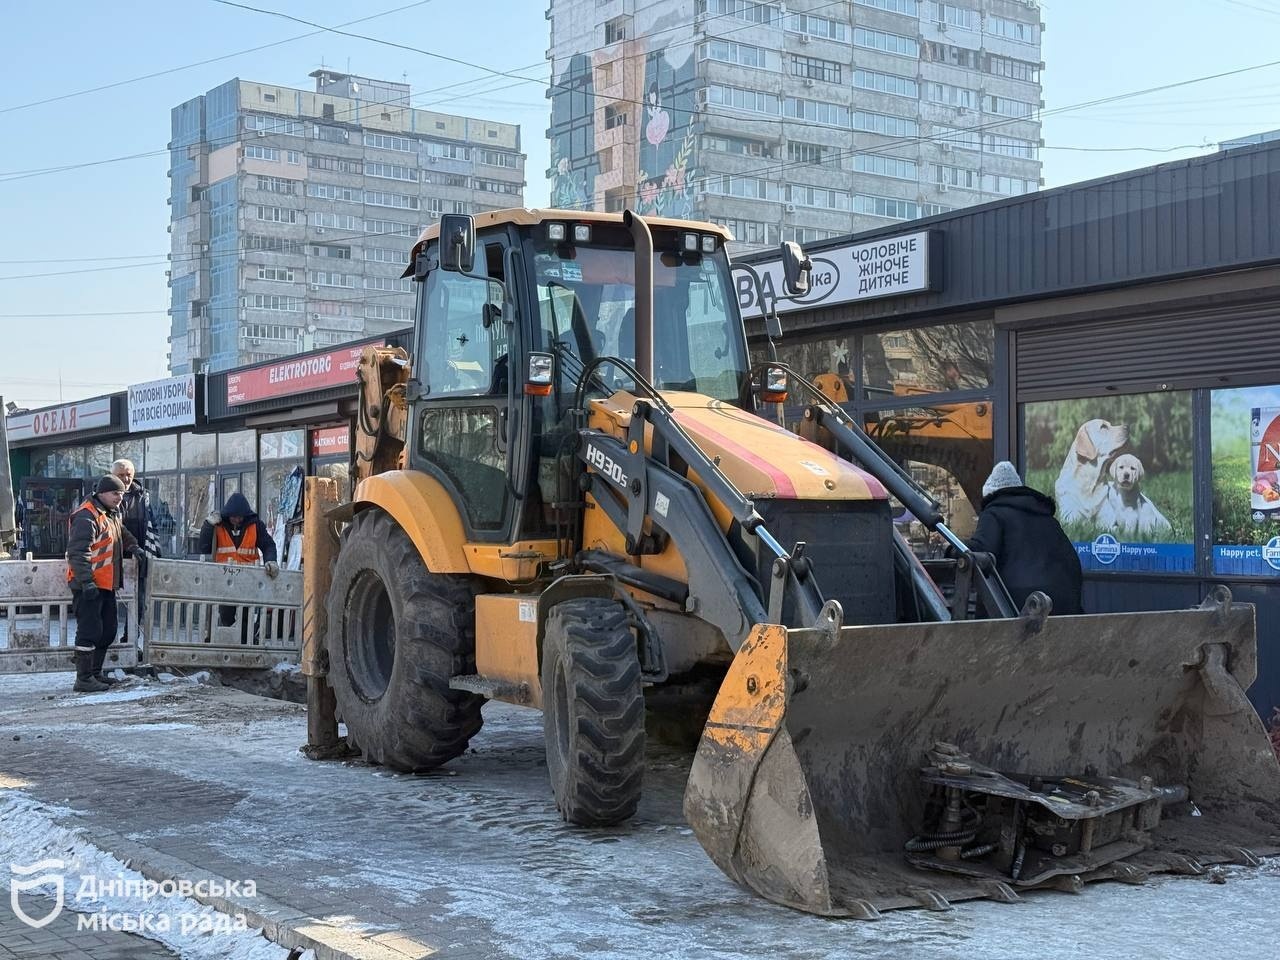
{"x": 1022, "y": 498}
{"x": 237, "y": 506}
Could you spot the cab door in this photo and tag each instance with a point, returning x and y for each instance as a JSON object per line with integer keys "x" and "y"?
{"x": 460, "y": 421}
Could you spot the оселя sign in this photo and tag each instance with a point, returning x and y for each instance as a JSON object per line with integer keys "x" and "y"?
{"x": 885, "y": 267}
{"x": 70, "y": 418}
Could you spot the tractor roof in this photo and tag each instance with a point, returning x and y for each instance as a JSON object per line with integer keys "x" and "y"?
{"x": 522, "y": 216}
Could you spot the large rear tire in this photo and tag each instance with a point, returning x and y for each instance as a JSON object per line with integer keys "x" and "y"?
{"x": 593, "y": 711}
{"x": 397, "y": 634}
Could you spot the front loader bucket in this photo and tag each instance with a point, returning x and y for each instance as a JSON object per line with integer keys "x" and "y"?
{"x": 814, "y": 772}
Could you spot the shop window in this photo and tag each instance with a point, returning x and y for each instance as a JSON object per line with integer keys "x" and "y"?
{"x": 813, "y": 359}
{"x": 952, "y": 447}
{"x": 98, "y": 458}
{"x": 166, "y": 508}
{"x": 271, "y": 480}
{"x": 199, "y": 450}
{"x": 952, "y": 356}
{"x": 236, "y": 447}
{"x": 339, "y": 472}
{"x": 66, "y": 462}
{"x": 162, "y": 453}
{"x": 200, "y": 493}
{"x": 1120, "y": 469}
{"x": 284, "y": 444}
{"x": 131, "y": 450}
{"x": 1244, "y": 430}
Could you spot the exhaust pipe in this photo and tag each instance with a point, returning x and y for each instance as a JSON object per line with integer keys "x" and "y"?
{"x": 644, "y": 292}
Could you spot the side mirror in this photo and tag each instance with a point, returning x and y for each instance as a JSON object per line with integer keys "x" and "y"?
{"x": 796, "y": 269}
{"x": 771, "y": 387}
{"x": 457, "y": 242}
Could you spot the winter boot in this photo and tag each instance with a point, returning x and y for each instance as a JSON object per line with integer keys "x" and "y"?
{"x": 99, "y": 658}
{"x": 86, "y": 682}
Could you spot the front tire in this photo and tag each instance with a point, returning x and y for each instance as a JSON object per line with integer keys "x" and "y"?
{"x": 397, "y": 634}
{"x": 593, "y": 711}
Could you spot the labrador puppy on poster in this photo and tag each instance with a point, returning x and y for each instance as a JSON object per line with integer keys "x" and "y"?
{"x": 1127, "y": 510}
{"x": 1081, "y": 488}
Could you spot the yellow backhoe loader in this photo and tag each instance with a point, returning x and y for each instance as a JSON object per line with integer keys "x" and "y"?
{"x": 576, "y": 489}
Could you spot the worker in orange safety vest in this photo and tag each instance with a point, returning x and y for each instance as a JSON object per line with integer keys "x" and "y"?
{"x": 236, "y": 535}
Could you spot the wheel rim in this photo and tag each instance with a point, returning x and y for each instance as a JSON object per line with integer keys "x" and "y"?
{"x": 371, "y": 637}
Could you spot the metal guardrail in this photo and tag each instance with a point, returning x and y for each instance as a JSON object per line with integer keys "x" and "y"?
{"x": 37, "y": 627}
{"x": 188, "y": 601}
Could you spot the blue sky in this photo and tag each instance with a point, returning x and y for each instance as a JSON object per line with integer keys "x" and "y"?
{"x": 73, "y": 219}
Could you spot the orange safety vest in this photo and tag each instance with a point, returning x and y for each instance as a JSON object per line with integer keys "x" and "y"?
{"x": 102, "y": 549}
{"x": 226, "y": 551}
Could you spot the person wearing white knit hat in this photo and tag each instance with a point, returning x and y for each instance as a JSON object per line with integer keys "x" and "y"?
{"x": 1018, "y": 528}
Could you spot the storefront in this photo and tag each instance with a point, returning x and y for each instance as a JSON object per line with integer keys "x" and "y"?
{"x": 1116, "y": 339}
{"x": 194, "y": 441}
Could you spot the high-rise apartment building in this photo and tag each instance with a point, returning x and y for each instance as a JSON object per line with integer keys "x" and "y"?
{"x": 800, "y": 120}
{"x": 293, "y": 211}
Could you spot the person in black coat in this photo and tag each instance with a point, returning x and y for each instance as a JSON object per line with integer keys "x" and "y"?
{"x": 1018, "y": 528}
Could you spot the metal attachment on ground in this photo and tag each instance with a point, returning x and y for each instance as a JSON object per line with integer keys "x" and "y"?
{"x": 1219, "y": 601}
{"x": 830, "y": 620}
{"x": 1035, "y": 611}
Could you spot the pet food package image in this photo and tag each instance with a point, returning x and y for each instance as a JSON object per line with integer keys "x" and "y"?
{"x": 1265, "y": 455}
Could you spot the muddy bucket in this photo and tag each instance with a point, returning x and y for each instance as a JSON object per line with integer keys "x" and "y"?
{"x": 847, "y": 771}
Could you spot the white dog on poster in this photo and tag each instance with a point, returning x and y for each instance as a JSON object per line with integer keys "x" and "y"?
{"x": 1127, "y": 510}
{"x": 1081, "y": 488}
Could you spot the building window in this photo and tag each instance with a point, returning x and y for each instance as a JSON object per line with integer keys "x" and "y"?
{"x": 820, "y": 197}
{"x": 738, "y": 98}
{"x": 386, "y": 142}
{"x": 497, "y": 158}
{"x": 270, "y": 301}
{"x": 1018, "y": 30}
{"x": 278, "y": 185}
{"x": 1013, "y": 69}
{"x": 1009, "y": 146}
{"x": 808, "y": 24}
{"x": 284, "y": 274}
{"x": 277, "y": 214}
{"x": 329, "y": 191}
{"x": 256, "y": 151}
{"x": 896, "y": 167}
{"x": 949, "y": 53}
{"x": 805, "y": 235}
{"x": 333, "y": 308}
{"x": 891, "y": 208}
{"x": 887, "y": 83}
{"x": 807, "y": 152}
{"x": 331, "y": 252}
{"x": 393, "y": 227}
{"x": 339, "y": 221}
{"x": 330, "y": 134}
{"x": 448, "y": 151}
{"x": 381, "y": 311}
{"x": 391, "y": 171}
{"x": 886, "y": 124}
{"x": 908, "y": 7}
{"x": 952, "y": 16}
{"x": 385, "y": 255}
{"x": 886, "y": 42}
{"x": 816, "y": 111}
{"x": 496, "y": 186}
{"x": 335, "y": 164}
{"x": 752, "y": 188}
{"x": 727, "y": 51}
{"x": 751, "y": 231}
{"x": 815, "y": 68}
{"x": 377, "y": 198}
{"x": 330, "y": 278}
{"x": 395, "y": 284}
{"x": 766, "y": 13}
{"x": 280, "y": 125}
{"x": 736, "y": 145}
{"x": 952, "y": 96}
{"x": 961, "y": 177}
{"x": 326, "y": 111}
{"x": 1008, "y": 186}
{"x": 1007, "y": 107}
{"x": 615, "y": 30}
{"x": 614, "y": 117}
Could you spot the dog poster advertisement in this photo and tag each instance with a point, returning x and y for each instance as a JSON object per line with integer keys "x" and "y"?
{"x": 1245, "y": 436}
{"x": 1119, "y": 469}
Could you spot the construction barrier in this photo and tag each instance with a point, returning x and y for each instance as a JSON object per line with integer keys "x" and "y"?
{"x": 37, "y": 627}
{"x": 221, "y": 615}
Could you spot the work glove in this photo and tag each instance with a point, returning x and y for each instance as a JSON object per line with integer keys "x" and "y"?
{"x": 213, "y": 518}
{"x": 273, "y": 569}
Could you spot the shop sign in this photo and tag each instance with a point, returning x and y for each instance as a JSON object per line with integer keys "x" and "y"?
{"x": 161, "y": 404}
{"x": 1245, "y": 436}
{"x": 330, "y": 441}
{"x": 294, "y": 375}
{"x": 71, "y": 418}
{"x": 888, "y": 267}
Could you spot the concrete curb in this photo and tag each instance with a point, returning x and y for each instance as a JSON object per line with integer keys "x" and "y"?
{"x": 279, "y": 922}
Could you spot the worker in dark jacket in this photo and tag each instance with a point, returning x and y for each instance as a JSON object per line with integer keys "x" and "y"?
{"x": 1018, "y": 528}
{"x": 135, "y": 514}
{"x": 236, "y": 535}
{"x": 96, "y": 546}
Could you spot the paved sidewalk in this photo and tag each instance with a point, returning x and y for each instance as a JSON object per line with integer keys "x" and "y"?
{"x": 62, "y": 940}
{"x": 473, "y": 862}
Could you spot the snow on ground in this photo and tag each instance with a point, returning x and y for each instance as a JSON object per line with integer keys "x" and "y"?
{"x": 30, "y": 833}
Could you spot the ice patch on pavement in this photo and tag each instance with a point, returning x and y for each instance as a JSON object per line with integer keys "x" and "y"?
{"x": 30, "y": 834}
{"x": 288, "y": 668}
